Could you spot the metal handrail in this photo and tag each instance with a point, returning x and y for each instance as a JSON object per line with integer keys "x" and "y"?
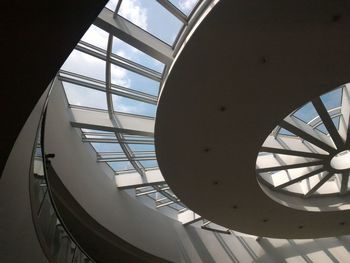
{"x": 42, "y": 225}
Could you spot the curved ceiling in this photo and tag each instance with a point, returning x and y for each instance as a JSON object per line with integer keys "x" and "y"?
{"x": 246, "y": 67}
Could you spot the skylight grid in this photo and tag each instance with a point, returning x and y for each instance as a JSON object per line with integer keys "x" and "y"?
{"x": 164, "y": 25}
{"x": 115, "y": 75}
{"x": 302, "y": 161}
{"x": 129, "y": 52}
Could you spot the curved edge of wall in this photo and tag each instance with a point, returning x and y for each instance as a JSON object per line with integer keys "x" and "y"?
{"x": 18, "y": 239}
{"x": 93, "y": 187}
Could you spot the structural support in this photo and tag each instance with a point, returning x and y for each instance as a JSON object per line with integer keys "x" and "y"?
{"x": 307, "y": 133}
{"x": 135, "y": 36}
{"x": 188, "y": 217}
{"x": 133, "y": 180}
{"x": 327, "y": 121}
{"x": 99, "y": 120}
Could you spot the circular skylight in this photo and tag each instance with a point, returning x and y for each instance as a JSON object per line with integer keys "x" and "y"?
{"x": 308, "y": 153}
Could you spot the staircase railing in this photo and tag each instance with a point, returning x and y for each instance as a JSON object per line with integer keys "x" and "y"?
{"x": 57, "y": 243}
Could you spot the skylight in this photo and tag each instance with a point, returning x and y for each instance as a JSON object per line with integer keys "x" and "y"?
{"x": 306, "y": 155}
{"x": 119, "y": 76}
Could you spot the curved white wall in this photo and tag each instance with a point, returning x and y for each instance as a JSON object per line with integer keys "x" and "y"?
{"x": 18, "y": 242}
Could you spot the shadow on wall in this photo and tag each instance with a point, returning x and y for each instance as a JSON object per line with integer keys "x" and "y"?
{"x": 249, "y": 249}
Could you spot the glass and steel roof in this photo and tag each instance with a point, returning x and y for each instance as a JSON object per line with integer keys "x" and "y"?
{"x": 112, "y": 81}
{"x": 307, "y": 154}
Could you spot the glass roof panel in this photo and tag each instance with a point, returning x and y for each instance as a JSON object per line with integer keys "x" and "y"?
{"x": 127, "y": 51}
{"x": 142, "y": 147}
{"x": 93, "y": 67}
{"x": 306, "y": 113}
{"x": 332, "y": 99}
{"x": 322, "y": 127}
{"x": 121, "y": 166}
{"x": 185, "y": 6}
{"x": 112, "y": 4}
{"x": 164, "y": 25}
{"x": 86, "y": 97}
{"x": 285, "y": 132}
{"x": 149, "y": 164}
{"x": 126, "y": 105}
{"x": 106, "y": 147}
{"x": 96, "y": 37}
{"x": 129, "y": 79}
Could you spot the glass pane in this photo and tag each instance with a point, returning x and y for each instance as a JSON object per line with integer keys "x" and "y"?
{"x": 121, "y": 166}
{"x": 185, "y": 6}
{"x": 96, "y": 37}
{"x": 322, "y": 127}
{"x": 285, "y": 132}
{"x": 129, "y": 79}
{"x": 112, "y": 4}
{"x": 332, "y": 99}
{"x": 127, "y": 51}
{"x": 86, "y": 97}
{"x": 152, "y": 17}
{"x": 106, "y": 147}
{"x": 92, "y": 67}
{"x": 306, "y": 113}
{"x": 126, "y": 105}
{"x": 142, "y": 147}
{"x": 149, "y": 164}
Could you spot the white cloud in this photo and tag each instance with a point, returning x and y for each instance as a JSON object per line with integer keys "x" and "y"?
{"x": 123, "y": 105}
{"x": 96, "y": 36}
{"x": 83, "y": 64}
{"x": 187, "y": 5}
{"x": 119, "y": 76}
{"x": 135, "y": 12}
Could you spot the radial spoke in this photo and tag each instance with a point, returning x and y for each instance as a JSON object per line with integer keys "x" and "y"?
{"x": 344, "y": 182}
{"x": 299, "y": 179}
{"x": 319, "y": 184}
{"x": 304, "y": 135}
{"x": 290, "y": 166}
{"x": 294, "y": 153}
{"x": 327, "y": 121}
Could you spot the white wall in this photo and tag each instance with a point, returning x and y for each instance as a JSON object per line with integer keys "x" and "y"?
{"x": 18, "y": 240}
{"x": 92, "y": 185}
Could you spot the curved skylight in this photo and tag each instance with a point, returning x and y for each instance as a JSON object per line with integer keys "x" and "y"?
{"x": 307, "y": 154}
{"x": 112, "y": 82}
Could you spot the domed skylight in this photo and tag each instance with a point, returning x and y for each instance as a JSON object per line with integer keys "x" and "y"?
{"x": 307, "y": 154}
{"x": 116, "y": 73}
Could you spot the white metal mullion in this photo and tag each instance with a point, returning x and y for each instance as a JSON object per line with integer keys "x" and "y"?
{"x": 173, "y": 10}
{"x": 135, "y": 36}
{"x": 112, "y": 116}
{"x": 118, "y": 61}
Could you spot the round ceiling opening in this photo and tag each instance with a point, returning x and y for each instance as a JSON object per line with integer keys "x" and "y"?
{"x": 307, "y": 156}
{"x": 341, "y": 161}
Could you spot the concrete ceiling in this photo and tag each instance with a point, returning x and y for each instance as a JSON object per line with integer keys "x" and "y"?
{"x": 248, "y": 65}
